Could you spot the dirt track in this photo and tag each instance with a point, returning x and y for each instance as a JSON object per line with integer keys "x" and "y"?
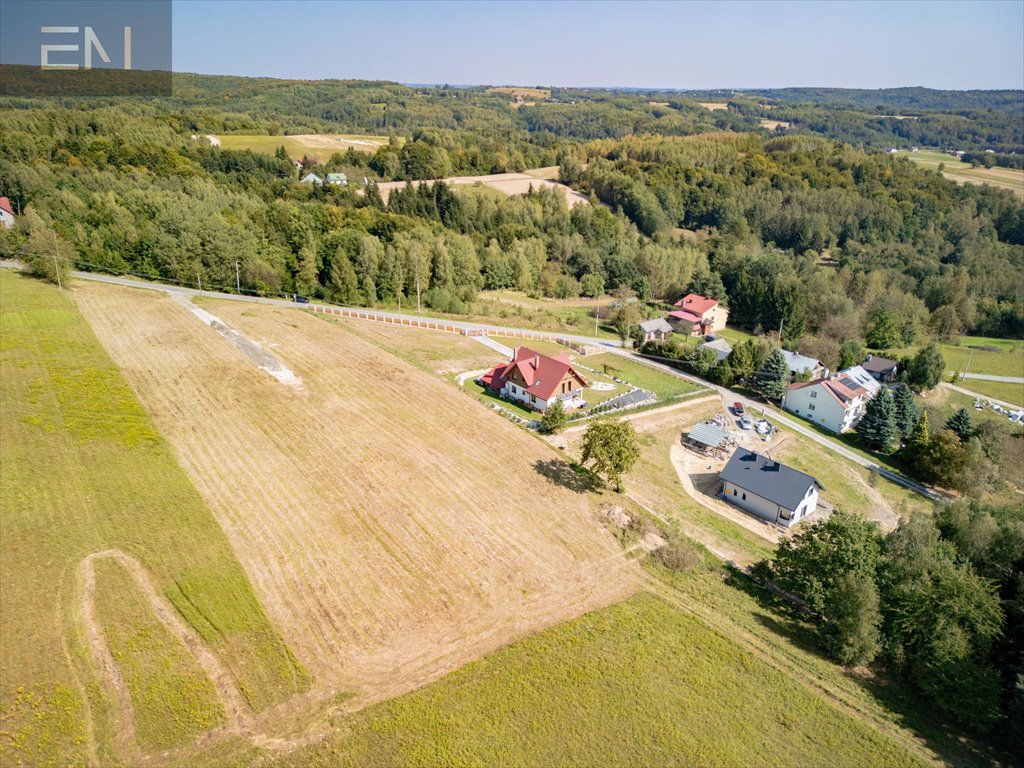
{"x": 393, "y": 528}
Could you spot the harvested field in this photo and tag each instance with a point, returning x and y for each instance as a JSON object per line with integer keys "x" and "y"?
{"x": 771, "y": 125}
{"x": 506, "y": 183}
{"x": 393, "y": 528}
{"x": 713, "y": 105}
{"x": 322, "y": 145}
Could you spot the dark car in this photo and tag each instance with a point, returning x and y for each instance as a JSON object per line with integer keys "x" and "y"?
{"x": 300, "y": 299}
{"x": 737, "y": 408}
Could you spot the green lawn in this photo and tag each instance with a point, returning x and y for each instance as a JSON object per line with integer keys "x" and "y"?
{"x": 640, "y": 683}
{"x": 1006, "y": 391}
{"x": 958, "y": 170}
{"x": 84, "y": 470}
{"x": 664, "y": 385}
{"x": 296, "y": 149}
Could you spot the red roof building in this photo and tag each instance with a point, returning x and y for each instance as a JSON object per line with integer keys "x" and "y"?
{"x": 6, "y": 212}
{"x": 535, "y": 380}
{"x": 698, "y": 316}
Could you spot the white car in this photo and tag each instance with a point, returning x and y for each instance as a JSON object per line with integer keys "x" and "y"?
{"x": 746, "y": 422}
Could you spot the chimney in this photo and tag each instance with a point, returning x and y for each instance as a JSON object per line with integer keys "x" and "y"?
{"x": 536, "y": 361}
{"x": 869, "y": 358}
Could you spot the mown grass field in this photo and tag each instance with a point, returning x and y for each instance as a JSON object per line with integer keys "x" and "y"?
{"x": 640, "y": 683}
{"x": 664, "y": 385}
{"x": 1005, "y": 178}
{"x": 85, "y": 470}
{"x": 320, "y": 146}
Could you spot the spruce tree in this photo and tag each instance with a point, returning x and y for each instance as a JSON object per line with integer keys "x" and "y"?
{"x": 773, "y": 377}
{"x": 554, "y": 418}
{"x": 877, "y": 426}
{"x": 960, "y": 424}
{"x": 917, "y": 443}
{"x": 907, "y": 411}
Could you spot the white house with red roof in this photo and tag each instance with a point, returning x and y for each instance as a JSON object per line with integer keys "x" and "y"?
{"x": 835, "y": 402}
{"x": 697, "y": 315}
{"x": 6, "y": 212}
{"x": 536, "y": 380}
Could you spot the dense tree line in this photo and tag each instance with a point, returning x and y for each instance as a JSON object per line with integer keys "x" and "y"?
{"x": 939, "y": 602}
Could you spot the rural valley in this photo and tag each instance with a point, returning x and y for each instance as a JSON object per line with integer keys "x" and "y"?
{"x": 346, "y": 422}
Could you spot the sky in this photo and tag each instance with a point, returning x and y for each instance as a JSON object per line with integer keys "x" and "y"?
{"x": 684, "y": 45}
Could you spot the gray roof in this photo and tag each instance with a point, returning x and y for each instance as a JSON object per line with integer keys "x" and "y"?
{"x": 767, "y": 478}
{"x": 658, "y": 324}
{"x": 876, "y": 364}
{"x": 705, "y": 434}
{"x": 721, "y": 346}
{"x": 798, "y": 362}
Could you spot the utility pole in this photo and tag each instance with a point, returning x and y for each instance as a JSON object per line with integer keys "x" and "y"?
{"x": 597, "y": 315}
{"x": 417, "y": 295}
{"x": 199, "y": 279}
{"x": 967, "y": 367}
{"x": 56, "y": 263}
{"x": 238, "y": 279}
{"x": 781, "y": 323}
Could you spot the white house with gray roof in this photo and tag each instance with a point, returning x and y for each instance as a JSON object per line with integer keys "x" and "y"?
{"x": 772, "y": 491}
{"x": 802, "y": 364}
{"x": 656, "y": 330}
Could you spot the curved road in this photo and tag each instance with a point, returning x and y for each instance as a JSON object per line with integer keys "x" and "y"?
{"x": 728, "y": 396}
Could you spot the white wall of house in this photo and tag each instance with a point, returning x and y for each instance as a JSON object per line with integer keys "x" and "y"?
{"x": 769, "y": 510}
{"x": 816, "y": 404}
{"x": 6, "y": 219}
{"x": 718, "y": 316}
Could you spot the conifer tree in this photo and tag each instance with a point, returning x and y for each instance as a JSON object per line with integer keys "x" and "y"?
{"x": 907, "y": 412}
{"x": 877, "y": 426}
{"x": 917, "y": 443}
{"x": 960, "y": 424}
{"x": 773, "y": 376}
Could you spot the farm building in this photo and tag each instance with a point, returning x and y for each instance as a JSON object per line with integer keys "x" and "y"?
{"x": 881, "y": 368}
{"x": 656, "y": 330}
{"x": 6, "y": 213}
{"x": 708, "y": 438}
{"x": 698, "y": 316}
{"x": 337, "y": 179}
{"x": 536, "y": 380}
{"x": 764, "y": 487}
{"x": 836, "y": 402}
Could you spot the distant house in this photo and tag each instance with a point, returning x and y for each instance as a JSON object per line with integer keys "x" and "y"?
{"x": 721, "y": 347}
{"x": 6, "y": 212}
{"x": 656, "y": 330}
{"x": 312, "y": 178}
{"x": 536, "y": 380}
{"x": 768, "y": 489}
{"x": 698, "y": 316}
{"x": 337, "y": 179}
{"x": 881, "y": 368}
{"x": 802, "y": 365}
{"x": 836, "y": 402}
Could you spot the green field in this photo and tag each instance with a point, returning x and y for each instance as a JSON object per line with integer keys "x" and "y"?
{"x": 1005, "y": 178}
{"x": 664, "y": 385}
{"x": 296, "y": 148}
{"x": 84, "y": 470}
{"x": 640, "y": 683}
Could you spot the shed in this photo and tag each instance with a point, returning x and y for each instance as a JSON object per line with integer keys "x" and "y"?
{"x": 709, "y": 439}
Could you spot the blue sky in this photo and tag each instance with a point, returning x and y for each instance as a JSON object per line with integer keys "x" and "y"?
{"x": 739, "y": 44}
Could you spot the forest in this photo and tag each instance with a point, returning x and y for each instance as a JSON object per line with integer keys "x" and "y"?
{"x": 834, "y": 242}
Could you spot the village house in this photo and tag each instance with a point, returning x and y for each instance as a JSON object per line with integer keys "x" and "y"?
{"x": 6, "y": 213}
{"x": 337, "y": 179}
{"x": 721, "y": 347}
{"x": 764, "y": 487}
{"x": 312, "y": 178}
{"x": 536, "y": 380}
{"x": 836, "y": 402}
{"x": 801, "y": 366}
{"x": 881, "y": 368}
{"x": 656, "y": 330}
{"x": 698, "y": 316}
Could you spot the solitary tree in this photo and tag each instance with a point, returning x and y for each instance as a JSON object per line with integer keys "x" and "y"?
{"x": 926, "y": 367}
{"x": 852, "y": 634}
{"x": 960, "y": 424}
{"x": 554, "y": 418}
{"x": 611, "y": 449}
{"x": 917, "y": 443}
{"x": 772, "y": 378}
{"x": 625, "y": 317}
{"x": 877, "y": 427}
{"x": 907, "y": 411}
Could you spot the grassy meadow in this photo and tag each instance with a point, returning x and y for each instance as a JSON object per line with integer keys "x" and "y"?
{"x": 664, "y": 385}
{"x": 84, "y": 470}
{"x": 640, "y": 683}
{"x": 955, "y": 169}
{"x": 321, "y": 147}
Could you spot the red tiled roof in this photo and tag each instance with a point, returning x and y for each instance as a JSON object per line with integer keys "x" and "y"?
{"x": 5, "y": 204}
{"x": 696, "y": 304}
{"x": 542, "y": 373}
{"x": 685, "y": 314}
{"x": 827, "y": 388}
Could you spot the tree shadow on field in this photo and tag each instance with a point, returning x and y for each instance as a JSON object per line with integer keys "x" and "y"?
{"x": 574, "y": 477}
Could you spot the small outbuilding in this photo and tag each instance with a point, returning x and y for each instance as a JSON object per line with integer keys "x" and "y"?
{"x": 656, "y": 330}
{"x": 764, "y": 487}
{"x": 881, "y": 368}
{"x": 709, "y": 439}
{"x": 6, "y": 213}
{"x": 312, "y": 178}
{"x": 337, "y": 179}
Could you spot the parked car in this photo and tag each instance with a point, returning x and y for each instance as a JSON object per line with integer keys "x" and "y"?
{"x": 746, "y": 422}
{"x": 300, "y": 299}
{"x": 737, "y": 408}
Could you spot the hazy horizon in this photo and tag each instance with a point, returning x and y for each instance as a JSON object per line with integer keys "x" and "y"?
{"x": 738, "y": 45}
